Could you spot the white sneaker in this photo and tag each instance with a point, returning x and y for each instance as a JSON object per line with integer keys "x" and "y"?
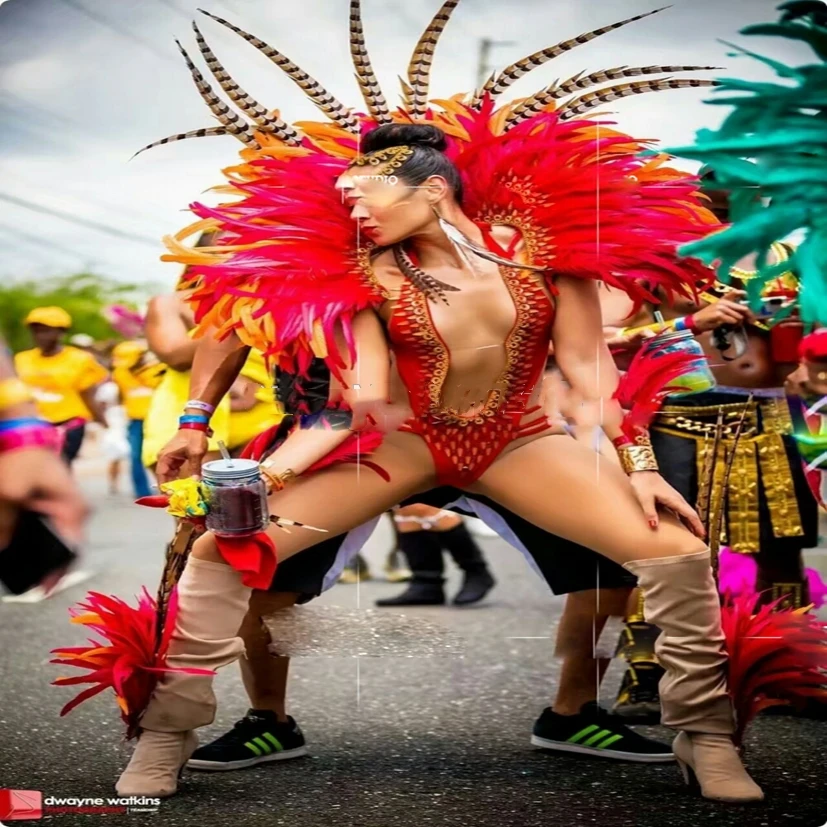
{"x": 38, "y": 593}
{"x": 479, "y": 529}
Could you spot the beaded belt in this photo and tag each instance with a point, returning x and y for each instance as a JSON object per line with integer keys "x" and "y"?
{"x": 760, "y": 445}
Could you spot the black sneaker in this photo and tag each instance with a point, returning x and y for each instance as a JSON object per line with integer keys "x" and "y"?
{"x": 595, "y": 731}
{"x": 638, "y": 700}
{"x": 256, "y": 738}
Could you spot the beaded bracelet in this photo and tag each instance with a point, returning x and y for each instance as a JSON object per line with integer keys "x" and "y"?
{"x": 199, "y": 405}
{"x": 279, "y": 481}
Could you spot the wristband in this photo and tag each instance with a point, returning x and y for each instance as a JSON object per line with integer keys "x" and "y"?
{"x": 620, "y": 441}
{"x": 13, "y": 392}
{"x": 22, "y": 422}
{"x": 200, "y": 406}
{"x": 196, "y": 426}
{"x": 43, "y": 436}
{"x": 191, "y": 418}
{"x": 689, "y": 322}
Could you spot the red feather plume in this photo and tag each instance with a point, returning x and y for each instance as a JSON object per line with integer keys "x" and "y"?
{"x": 776, "y": 657}
{"x": 643, "y": 389}
{"x": 129, "y": 663}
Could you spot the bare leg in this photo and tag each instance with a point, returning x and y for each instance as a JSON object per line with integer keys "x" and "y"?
{"x": 114, "y": 475}
{"x": 582, "y": 622}
{"x": 343, "y": 496}
{"x": 568, "y": 490}
{"x": 264, "y": 673}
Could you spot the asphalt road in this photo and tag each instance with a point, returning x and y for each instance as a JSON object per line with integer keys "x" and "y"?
{"x": 417, "y": 720}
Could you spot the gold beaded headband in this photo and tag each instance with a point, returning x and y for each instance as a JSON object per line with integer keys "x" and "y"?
{"x": 385, "y": 161}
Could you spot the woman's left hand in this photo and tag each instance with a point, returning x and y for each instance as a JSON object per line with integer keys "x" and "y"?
{"x": 651, "y": 489}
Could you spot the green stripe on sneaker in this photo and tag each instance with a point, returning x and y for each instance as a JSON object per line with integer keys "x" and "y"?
{"x": 598, "y": 736}
{"x": 582, "y": 734}
{"x": 273, "y": 740}
{"x": 265, "y": 747}
{"x": 609, "y": 741}
{"x": 253, "y": 748}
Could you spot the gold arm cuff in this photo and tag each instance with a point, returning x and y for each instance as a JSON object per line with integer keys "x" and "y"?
{"x": 637, "y": 458}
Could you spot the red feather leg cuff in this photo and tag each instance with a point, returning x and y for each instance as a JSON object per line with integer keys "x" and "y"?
{"x": 776, "y": 657}
{"x": 253, "y": 557}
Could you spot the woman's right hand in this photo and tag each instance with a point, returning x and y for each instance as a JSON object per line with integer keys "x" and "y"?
{"x": 182, "y": 456}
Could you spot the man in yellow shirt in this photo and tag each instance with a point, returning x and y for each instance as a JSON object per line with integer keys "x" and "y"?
{"x": 137, "y": 373}
{"x": 63, "y": 379}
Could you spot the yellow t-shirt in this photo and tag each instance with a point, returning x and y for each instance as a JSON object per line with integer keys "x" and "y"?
{"x": 137, "y": 388}
{"x": 167, "y": 404}
{"x": 246, "y": 425}
{"x": 57, "y": 381}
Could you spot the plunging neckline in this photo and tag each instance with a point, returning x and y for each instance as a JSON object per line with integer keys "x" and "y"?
{"x": 504, "y": 381}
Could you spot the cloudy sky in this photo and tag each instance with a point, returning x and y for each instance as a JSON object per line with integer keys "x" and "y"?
{"x": 84, "y": 83}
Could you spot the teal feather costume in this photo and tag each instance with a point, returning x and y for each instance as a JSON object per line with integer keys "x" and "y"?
{"x": 771, "y": 155}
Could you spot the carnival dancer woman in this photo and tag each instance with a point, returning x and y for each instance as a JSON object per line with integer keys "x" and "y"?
{"x": 494, "y": 334}
{"x": 430, "y": 255}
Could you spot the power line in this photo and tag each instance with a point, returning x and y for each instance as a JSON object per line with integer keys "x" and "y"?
{"x": 27, "y": 106}
{"x": 129, "y": 35}
{"x": 126, "y": 211}
{"x": 83, "y": 222}
{"x": 37, "y": 241}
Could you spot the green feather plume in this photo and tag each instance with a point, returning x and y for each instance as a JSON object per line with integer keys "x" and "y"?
{"x": 771, "y": 155}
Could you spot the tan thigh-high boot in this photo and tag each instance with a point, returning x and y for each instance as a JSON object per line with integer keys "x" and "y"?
{"x": 212, "y": 603}
{"x": 680, "y": 598}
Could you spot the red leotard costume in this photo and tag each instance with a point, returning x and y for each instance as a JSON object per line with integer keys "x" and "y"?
{"x": 463, "y": 446}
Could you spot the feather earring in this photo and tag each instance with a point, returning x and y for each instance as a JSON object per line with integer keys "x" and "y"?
{"x": 463, "y": 243}
{"x": 434, "y": 289}
{"x": 454, "y": 235}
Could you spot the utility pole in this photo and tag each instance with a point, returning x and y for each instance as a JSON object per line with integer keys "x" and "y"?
{"x": 483, "y": 66}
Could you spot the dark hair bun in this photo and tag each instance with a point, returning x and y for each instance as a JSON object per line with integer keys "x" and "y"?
{"x": 403, "y": 134}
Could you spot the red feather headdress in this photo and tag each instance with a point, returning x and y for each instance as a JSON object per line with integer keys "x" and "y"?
{"x": 289, "y": 271}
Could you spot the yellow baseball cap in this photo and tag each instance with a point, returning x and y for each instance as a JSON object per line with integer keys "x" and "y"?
{"x": 126, "y": 354}
{"x": 49, "y": 316}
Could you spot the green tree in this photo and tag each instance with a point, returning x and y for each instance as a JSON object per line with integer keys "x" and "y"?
{"x": 84, "y": 296}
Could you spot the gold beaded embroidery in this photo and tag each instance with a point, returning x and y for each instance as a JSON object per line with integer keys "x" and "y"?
{"x": 384, "y": 161}
{"x": 365, "y": 264}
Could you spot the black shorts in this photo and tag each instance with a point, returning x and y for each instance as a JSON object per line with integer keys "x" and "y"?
{"x": 565, "y": 566}
{"x": 72, "y": 442}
